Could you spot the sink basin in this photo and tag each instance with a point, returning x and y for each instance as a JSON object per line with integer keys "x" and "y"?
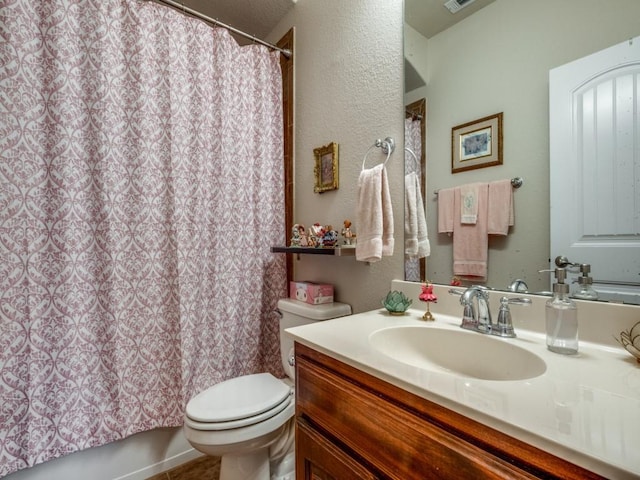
{"x": 460, "y": 352}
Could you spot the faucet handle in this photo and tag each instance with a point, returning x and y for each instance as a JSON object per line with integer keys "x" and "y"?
{"x": 518, "y": 301}
{"x": 504, "y": 325}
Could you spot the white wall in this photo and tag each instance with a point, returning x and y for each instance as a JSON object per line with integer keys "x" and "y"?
{"x": 348, "y": 90}
{"x": 416, "y": 53}
{"x": 498, "y": 60}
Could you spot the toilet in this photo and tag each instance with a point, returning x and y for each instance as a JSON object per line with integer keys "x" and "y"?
{"x": 248, "y": 420}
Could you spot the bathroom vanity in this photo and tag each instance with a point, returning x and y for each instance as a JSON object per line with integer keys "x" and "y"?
{"x": 362, "y": 413}
{"x": 352, "y": 425}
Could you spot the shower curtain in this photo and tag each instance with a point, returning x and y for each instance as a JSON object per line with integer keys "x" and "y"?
{"x": 141, "y": 176}
{"x": 412, "y": 141}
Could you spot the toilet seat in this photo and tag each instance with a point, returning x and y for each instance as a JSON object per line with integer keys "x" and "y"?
{"x": 238, "y": 402}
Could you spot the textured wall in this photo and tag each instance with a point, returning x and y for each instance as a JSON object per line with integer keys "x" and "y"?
{"x": 348, "y": 89}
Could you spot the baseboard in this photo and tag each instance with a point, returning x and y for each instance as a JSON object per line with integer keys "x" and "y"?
{"x": 163, "y": 466}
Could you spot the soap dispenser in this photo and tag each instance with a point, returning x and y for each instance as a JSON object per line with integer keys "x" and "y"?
{"x": 561, "y": 315}
{"x": 585, "y": 284}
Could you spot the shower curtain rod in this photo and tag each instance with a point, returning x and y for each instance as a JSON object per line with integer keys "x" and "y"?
{"x": 195, "y": 13}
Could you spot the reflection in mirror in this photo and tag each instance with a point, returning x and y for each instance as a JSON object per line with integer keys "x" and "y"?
{"x": 498, "y": 59}
{"x": 595, "y": 170}
{"x": 414, "y": 163}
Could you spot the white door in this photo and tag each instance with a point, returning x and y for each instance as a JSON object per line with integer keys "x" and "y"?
{"x": 594, "y": 108}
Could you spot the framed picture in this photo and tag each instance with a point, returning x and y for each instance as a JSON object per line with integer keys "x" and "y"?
{"x": 477, "y": 144}
{"x": 326, "y": 169}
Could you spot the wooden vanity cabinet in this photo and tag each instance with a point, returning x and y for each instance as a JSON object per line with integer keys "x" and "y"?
{"x": 351, "y": 425}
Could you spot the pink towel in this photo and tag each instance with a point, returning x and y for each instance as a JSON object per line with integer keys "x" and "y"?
{"x": 374, "y": 215}
{"x": 471, "y": 242}
{"x": 495, "y": 214}
{"x": 446, "y": 215}
{"x": 500, "y": 209}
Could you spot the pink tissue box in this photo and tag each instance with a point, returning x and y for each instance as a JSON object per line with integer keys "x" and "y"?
{"x": 313, "y": 293}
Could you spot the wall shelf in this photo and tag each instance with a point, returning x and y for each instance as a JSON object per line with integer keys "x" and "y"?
{"x": 335, "y": 251}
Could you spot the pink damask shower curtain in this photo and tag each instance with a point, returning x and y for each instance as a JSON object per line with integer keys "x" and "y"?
{"x": 413, "y": 142}
{"x": 141, "y": 187}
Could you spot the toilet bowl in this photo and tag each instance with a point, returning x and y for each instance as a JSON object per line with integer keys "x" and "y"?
{"x": 248, "y": 420}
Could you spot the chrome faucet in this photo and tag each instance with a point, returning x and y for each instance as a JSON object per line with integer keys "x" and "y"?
{"x": 518, "y": 285}
{"x": 476, "y": 315}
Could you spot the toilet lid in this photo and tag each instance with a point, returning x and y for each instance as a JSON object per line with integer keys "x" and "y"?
{"x": 238, "y": 398}
{"x": 243, "y": 422}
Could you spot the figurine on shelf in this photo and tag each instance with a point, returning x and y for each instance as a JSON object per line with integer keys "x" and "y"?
{"x": 348, "y": 235}
{"x": 304, "y": 240}
{"x": 316, "y": 232}
{"x": 428, "y": 296}
{"x": 455, "y": 282}
{"x": 295, "y": 235}
{"x": 330, "y": 237}
{"x": 311, "y": 240}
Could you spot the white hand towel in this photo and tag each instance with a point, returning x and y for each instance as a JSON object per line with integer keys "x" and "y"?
{"x": 415, "y": 223}
{"x": 469, "y": 204}
{"x": 374, "y": 216}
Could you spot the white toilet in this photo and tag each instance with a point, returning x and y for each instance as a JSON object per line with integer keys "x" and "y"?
{"x": 248, "y": 420}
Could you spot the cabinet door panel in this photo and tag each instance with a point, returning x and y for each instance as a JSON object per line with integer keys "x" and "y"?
{"x": 318, "y": 459}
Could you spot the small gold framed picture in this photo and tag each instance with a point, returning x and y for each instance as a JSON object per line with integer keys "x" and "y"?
{"x": 477, "y": 144}
{"x": 326, "y": 169}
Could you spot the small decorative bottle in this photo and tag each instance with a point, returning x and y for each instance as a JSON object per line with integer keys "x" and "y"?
{"x": 561, "y": 315}
{"x": 585, "y": 284}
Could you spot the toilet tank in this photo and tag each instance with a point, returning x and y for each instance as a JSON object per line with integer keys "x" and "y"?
{"x": 294, "y": 313}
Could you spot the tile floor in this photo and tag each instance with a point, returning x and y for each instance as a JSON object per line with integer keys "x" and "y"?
{"x": 202, "y": 468}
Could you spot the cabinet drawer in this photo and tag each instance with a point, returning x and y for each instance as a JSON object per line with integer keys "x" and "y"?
{"x": 395, "y": 441}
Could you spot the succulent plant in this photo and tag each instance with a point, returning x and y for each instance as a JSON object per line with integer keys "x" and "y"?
{"x": 630, "y": 340}
{"x": 396, "y": 302}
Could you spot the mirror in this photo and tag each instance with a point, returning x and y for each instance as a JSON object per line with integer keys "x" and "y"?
{"x": 497, "y": 59}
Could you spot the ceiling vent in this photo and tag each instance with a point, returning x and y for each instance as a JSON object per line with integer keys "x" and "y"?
{"x": 455, "y": 6}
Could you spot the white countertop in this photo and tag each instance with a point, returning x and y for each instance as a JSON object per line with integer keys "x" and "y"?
{"x": 584, "y": 408}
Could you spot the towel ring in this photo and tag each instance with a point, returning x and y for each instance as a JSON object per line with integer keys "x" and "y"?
{"x": 387, "y": 145}
{"x": 415, "y": 158}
